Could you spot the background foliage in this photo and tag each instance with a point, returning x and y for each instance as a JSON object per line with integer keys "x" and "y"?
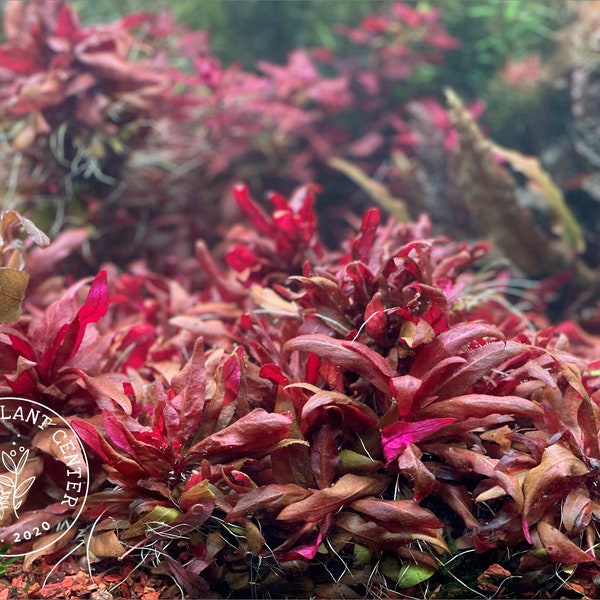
{"x": 302, "y": 395}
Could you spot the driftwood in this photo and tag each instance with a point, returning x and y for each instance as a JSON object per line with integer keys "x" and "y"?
{"x": 489, "y": 192}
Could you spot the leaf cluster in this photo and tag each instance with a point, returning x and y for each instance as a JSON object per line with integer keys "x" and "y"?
{"x": 318, "y": 422}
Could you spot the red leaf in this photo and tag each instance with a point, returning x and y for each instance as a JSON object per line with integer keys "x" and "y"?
{"x": 363, "y": 245}
{"x": 68, "y": 340}
{"x": 273, "y": 373}
{"x": 18, "y": 62}
{"x": 253, "y": 212}
{"x": 241, "y": 258}
{"x": 450, "y": 343}
{"x": 67, "y": 24}
{"x": 358, "y": 416}
{"x": 136, "y": 344}
{"x": 352, "y": 356}
{"x": 376, "y": 319}
{"x": 90, "y": 435}
{"x": 403, "y": 390}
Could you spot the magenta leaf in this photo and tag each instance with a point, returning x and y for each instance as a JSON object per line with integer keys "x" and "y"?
{"x": 397, "y": 437}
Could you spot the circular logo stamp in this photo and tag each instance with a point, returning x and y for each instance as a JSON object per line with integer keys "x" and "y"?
{"x": 44, "y": 478}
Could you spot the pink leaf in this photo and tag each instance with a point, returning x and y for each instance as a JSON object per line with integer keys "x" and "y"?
{"x": 397, "y": 437}
{"x": 305, "y": 551}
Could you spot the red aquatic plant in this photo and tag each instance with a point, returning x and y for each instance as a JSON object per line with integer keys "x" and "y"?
{"x": 42, "y": 354}
{"x": 314, "y": 410}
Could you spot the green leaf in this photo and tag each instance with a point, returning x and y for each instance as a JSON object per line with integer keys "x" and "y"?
{"x": 404, "y": 575}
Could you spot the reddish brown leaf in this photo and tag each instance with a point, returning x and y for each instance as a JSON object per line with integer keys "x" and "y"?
{"x": 183, "y": 413}
{"x": 12, "y": 291}
{"x": 105, "y": 544}
{"x": 481, "y": 405}
{"x": 324, "y": 456}
{"x": 450, "y": 343}
{"x": 466, "y": 461}
{"x": 328, "y": 302}
{"x": 266, "y": 499}
{"x": 291, "y": 463}
{"x": 398, "y": 512}
{"x": 419, "y": 476}
{"x": 458, "y": 499}
{"x": 356, "y": 414}
{"x": 374, "y": 536}
{"x": 576, "y": 511}
{"x": 560, "y": 548}
{"x": 479, "y": 363}
{"x": 352, "y": 356}
{"x": 348, "y": 488}
{"x": 252, "y": 435}
{"x": 557, "y": 465}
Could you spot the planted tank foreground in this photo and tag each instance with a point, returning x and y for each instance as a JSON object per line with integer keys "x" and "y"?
{"x": 299, "y": 299}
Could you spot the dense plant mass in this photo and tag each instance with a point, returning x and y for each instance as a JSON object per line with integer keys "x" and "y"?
{"x": 322, "y": 423}
{"x": 267, "y": 411}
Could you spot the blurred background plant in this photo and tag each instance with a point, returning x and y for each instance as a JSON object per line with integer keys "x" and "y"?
{"x": 137, "y": 125}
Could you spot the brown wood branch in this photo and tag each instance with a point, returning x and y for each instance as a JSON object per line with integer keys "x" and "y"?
{"x": 490, "y": 194}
